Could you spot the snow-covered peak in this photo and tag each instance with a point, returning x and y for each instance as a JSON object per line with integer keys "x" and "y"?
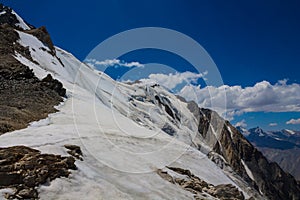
{"x": 9, "y": 16}
{"x": 123, "y": 127}
{"x": 289, "y": 131}
{"x": 243, "y": 131}
{"x": 21, "y": 23}
{"x": 127, "y": 130}
{"x": 258, "y": 131}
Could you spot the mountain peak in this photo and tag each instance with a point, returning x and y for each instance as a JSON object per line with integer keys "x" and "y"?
{"x": 289, "y": 131}
{"x": 258, "y": 131}
{"x": 150, "y": 131}
{"x": 243, "y": 130}
{"x": 9, "y": 17}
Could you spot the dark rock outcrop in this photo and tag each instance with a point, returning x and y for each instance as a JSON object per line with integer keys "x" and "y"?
{"x": 282, "y": 147}
{"x": 74, "y": 151}
{"x": 54, "y": 85}
{"x": 8, "y": 18}
{"x": 43, "y": 35}
{"x": 227, "y": 141}
{"x": 23, "y": 97}
{"x": 23, "y": 169}
{"x": 199, "y": 187}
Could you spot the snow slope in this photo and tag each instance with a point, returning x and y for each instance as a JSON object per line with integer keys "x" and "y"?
{"x": 120, "y": 129}
{"x": 21, "y": 23}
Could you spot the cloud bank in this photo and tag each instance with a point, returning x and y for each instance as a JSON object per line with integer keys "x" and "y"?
{"x": 241, "y": 124}
{"x": 293, "y": 121}
{"x": 112, "y": 63}
{"x": 262, "y": 97}
{"x": 170, "y": 81}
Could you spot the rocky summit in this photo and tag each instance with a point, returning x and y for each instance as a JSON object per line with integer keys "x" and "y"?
{"x": 24, "y": 98}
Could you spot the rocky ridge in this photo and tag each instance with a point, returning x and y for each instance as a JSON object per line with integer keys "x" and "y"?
{"x": 282, "y": 147}
{"x": 249, "y": 163}
{"x": 23, "y": 97}
{"x": 201, "y": 189}
{"x": 231, "y": 149}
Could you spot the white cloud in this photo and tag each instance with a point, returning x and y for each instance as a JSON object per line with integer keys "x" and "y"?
{"x": 241, "y": 124}
{"x": 273, "y": 124}
{"x": 293, "y": 121}
{"x": 113, "y": 62}
{"x": 262, "y": 97}
{"x": 170, "y": 81}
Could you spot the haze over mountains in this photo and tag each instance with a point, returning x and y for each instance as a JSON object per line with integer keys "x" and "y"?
{"x": 112, "y": 140}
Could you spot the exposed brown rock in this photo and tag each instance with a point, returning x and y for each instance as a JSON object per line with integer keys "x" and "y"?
{"x": 43, "y": 35}
{"x": 23, "y": 97}
{"x": 8, "y": 18}
{"x": 199, "y": 187}
{"x": 23, "y": 168}
{"x": 54, "y": 84}
{"x": 74, "y": 151}
{"x": 269, "y": 178}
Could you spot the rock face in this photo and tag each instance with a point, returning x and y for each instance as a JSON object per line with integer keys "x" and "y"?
{"x": 198, "y": 187}
{"x": 23, "y": 97}
{"x": 227, "y": 141}
{"x": 23, "y": 168}
{"x": 74, "y": 151}
{"x": 8, "y": 18}
{"x": 282, "y": 147}
{"x": 288, "y": 159}
{"x": 43, "y": 35}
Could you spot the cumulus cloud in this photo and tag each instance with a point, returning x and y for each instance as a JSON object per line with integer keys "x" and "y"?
{"x": 262, "y": 97}
{"x": 112, "y": 63}
{"x": 273, "y": 124}
{"x": 293, "y": 121}
{"x": 241, "y": 124}
{"x": 170, "y": 81}
{"x": 230, "y": 101}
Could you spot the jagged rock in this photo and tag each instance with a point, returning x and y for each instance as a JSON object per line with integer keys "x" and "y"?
{"x": 269, "y": 178}
{"x": 228, "y": 192}
{"x": 54, "y": 84}
{"x": 24, "y": 98}
{"x": 199, "y": 187}
{"x": 27, "y": 193}
{"x": 162, "y": 101}
{"x": 165, "y": 176}
{"x": 43, "y": 35}
{"x": 74, "y": 151}
{"x": 23, "y": 168}
{"x": 181, "y": 171}
{"x": 167, "y": 128}
{"x": 8, "y": 18}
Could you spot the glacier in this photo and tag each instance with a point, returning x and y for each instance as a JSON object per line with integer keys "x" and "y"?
{"x": 121, "y": 129}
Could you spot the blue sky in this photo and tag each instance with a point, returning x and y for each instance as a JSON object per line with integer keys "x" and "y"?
{"x": 250, "y": 41}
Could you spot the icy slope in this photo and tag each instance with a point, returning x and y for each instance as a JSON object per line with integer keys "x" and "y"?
{"x": 9, "y": 16}
{"x": 127, "y": 132}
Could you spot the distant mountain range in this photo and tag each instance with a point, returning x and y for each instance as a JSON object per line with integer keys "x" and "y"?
{"x": 281, "y": 146}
